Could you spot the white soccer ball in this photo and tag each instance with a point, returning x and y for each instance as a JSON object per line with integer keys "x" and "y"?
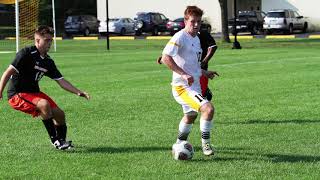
{"x": 182, "y": 151}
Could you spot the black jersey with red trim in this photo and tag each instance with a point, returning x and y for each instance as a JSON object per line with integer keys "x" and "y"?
{"x": 206, "y": 41}
{"x": 30, "y": 68}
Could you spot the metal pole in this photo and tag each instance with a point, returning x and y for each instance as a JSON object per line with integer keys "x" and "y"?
{"x": 236, "y": 44}
{"x": 17, "y": 25}
{"x": 54, "y": 26}
{"x": 108, "y": 42}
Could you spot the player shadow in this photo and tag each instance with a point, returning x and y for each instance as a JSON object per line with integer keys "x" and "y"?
{"x": 290, "y": 121}
{"x": 241, "y": 154}
{"x": 117, "y": 150}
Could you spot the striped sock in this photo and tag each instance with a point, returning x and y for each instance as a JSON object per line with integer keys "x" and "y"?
{"x": 184, "y": 131}
{"x": 205, "y": 127}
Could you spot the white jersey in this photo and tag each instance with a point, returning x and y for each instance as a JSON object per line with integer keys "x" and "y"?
{"x": 186, "y": 52}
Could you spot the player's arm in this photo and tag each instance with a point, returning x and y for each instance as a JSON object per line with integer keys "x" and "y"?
{"x": 69, "y": 87}
{"x": 168, "y": 60}
{"x": 210, "y": 53}
{"x": 5, "y": 78}
{"x": 210, "y": 74}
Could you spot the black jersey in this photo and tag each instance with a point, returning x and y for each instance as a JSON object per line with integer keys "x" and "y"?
{"x": 31, "y": 67}
{"x": 206, "y": 41}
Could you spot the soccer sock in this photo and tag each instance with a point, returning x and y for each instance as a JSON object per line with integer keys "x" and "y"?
{"x": 184, "y": 130}
{"x": 61, "y": 132}
{"x": 48, "y": 123}
{"x": 205, "y": 127}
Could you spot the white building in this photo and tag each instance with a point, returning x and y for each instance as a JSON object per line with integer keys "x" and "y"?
{"x": 175, "y": 8}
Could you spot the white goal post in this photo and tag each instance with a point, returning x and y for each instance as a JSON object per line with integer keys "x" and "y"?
{"x": 27, "y": 19}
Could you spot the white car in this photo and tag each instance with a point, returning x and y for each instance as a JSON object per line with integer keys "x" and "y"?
{"x": 118, "y": 26}
{"x": 285, "y": 20}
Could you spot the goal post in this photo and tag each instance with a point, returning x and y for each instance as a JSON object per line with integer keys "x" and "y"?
{"x": 27, "y": 17}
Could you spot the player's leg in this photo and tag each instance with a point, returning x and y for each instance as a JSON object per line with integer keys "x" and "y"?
{"x": 54, "y": 118}
{"x": 206, "y": 121}
{"x": 185, "y": 126}
{"x": 44, "y": 109}
{"x": 191, "y": 102}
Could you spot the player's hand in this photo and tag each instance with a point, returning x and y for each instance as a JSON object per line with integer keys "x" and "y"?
{"x": 211, "y": 74}
{"x": 188, "y": 78}
{"x": 84, "y": 94}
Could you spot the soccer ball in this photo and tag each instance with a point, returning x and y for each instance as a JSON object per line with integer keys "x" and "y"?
{"x": 182, "y": 151}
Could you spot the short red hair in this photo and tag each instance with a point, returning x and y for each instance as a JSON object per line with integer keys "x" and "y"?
{"x": 192, "y": 11}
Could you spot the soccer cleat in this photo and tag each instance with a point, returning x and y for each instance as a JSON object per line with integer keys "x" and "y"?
{"x": 207, "y": 149}
{"x": 62, "y": 145}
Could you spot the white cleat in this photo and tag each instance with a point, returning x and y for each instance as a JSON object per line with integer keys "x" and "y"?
{"x": 207, "y": 149}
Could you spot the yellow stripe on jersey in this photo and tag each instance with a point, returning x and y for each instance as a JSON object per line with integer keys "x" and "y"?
{"x": 183, "y": 94}
{"x": 173, "y": 43}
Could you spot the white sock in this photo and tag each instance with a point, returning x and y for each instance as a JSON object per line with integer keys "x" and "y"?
{"x": 184, "y": 130}
{"x": 205, "y": 128}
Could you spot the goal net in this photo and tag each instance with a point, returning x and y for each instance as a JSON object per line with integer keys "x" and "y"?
{"x": 22, "y": 19}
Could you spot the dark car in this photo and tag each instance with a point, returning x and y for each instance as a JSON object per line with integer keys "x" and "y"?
{"x": 81, "y": 24}
{"x": 150, "y": 22}
{"x": 178, "y": 24}
{"x": 248, "y": 21}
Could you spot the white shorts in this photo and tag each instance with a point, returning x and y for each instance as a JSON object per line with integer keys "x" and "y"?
{"x": 190, "y": 98}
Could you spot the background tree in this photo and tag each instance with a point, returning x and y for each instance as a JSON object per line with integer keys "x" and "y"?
{"x": 224, "y": 20}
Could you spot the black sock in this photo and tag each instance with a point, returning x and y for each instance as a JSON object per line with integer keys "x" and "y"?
{"x": 48, "y": 123}
{"x": 62, "y": 132}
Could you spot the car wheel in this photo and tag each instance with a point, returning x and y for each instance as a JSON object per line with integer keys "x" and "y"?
{"x": 122, "y": 31}
{"x": 155, "y": 31}
{"x": 305, "y": 27}
{"x": 138, "y": 33}
{"x": 254, "y": 30}
{"x": 86, "y": 32}
{"x": 290, "y": 29}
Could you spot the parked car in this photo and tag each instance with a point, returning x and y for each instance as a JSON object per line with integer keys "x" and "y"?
{"x": 178, "y": 24}
{"x": 150, "y": 22}
{"x": 248, "y": 21}
{"x": 284, "y": 20}
{"x": 81, "y": 24}
{"x": 119, "y": 26}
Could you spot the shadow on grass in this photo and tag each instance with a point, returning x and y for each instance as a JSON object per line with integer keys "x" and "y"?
{"x": 115, "y": 150}
{"x": 292, "y": 121}
{"x": 236, "y": 154}
{"x": 224, "y": 154}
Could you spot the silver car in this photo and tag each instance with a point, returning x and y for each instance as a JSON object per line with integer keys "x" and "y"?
{"x": 285, "y": 20}
{"x": 118, "y": 26}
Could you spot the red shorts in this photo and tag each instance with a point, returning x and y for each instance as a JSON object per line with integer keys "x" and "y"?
{"x": 26, "y": 102}
{"x": 204, "y": 84}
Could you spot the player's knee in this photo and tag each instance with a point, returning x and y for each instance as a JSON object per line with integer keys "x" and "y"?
{"x": 208, "y": 109}
{"x": 43, "y": 104}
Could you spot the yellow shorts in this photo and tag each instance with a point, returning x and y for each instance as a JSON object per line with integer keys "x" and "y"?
{"x": 190, "y": 99}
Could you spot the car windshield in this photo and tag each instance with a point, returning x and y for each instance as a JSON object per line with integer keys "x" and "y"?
{"x": 276, "y": 14}
{"x": 246, "y": 13}
{"x": 114, "y": 19}
{"x": 72, "y": 19}
{"x": 179, "y": 20}
{"x": 143, "y": 17}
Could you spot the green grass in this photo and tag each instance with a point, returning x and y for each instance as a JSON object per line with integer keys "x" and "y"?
{"x": 266, "y": 124}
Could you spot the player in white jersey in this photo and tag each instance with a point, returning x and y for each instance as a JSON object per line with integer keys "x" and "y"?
{"x": 182, "y": 55}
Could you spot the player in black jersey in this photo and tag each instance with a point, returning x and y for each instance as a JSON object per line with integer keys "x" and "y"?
{"x": 209, "y": 47}
{"x": 24, "y": 73}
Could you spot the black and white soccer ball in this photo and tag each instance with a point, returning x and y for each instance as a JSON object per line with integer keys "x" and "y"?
{"x": 182, "y": 151}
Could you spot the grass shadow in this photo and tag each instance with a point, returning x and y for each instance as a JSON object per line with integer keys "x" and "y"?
{"x": 116, "y": 150}
{"x": 290, "y": 121}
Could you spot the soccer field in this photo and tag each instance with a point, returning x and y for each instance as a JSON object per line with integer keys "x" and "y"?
{"x": 266, "y": 124}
